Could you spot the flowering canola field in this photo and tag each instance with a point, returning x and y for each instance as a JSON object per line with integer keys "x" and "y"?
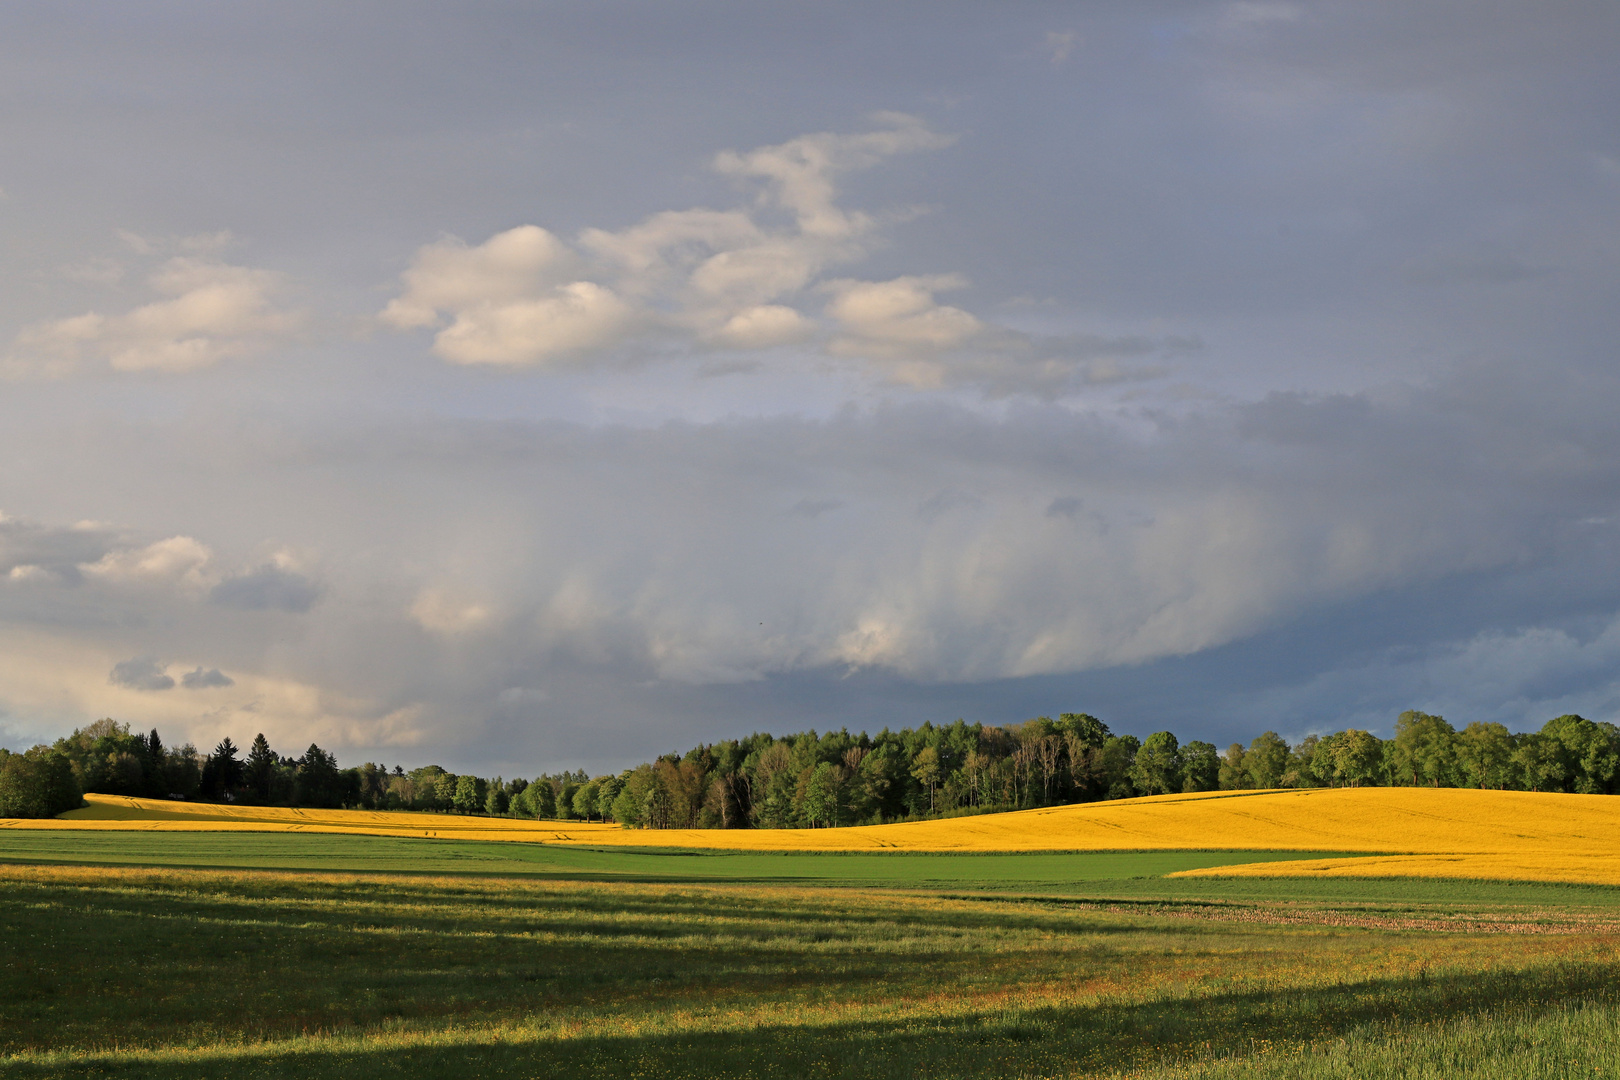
{"x": 1423, "y": 832}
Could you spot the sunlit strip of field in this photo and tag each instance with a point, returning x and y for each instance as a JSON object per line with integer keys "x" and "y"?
{"x": 1584, "y": 869}
{"x": 1552, "y": 829}
{"x": 118, "y": 812}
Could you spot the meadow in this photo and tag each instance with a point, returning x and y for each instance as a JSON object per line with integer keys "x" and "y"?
{"x": 199, "y": 952}
{"x": 194, "y": 973}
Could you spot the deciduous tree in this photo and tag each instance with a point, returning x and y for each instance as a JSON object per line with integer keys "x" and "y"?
{"x": 1157, "y": 767}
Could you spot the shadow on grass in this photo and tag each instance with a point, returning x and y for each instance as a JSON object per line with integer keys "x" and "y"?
{"x": 411, "y": 977}
{"x": 1013, "y": 1042}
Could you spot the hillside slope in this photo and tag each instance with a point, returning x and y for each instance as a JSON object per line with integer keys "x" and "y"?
{"x": 1375, "y": 820}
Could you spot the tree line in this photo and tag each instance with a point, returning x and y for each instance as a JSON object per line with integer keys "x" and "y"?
{"x": 811, "y": 780}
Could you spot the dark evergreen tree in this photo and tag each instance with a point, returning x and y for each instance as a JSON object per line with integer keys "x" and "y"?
{"x": 260, "y": 770}
{"x": 222, "y": 772}
{"x": 318, "y": 782}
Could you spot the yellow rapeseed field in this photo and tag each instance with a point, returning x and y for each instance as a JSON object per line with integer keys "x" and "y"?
{"x": 1425, "y": 832}
{"x": 1576, "y": 867}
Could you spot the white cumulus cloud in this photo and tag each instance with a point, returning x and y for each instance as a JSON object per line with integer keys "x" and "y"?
{"x": 178, "y": 560}
{"x": 762, "y": 327}
{"x": 209, "y": 312}
{"x": 716, "y": 279}
{"x": 899, "y": 318}
{"x": 510, "y": 301}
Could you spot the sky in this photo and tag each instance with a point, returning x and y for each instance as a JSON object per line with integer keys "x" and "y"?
{"x": 532, "y": 386}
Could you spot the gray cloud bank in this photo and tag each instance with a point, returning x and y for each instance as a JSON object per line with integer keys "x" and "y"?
{"x": 515, "y": 569}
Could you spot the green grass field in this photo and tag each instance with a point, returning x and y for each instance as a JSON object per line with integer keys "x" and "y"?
{"x": 269, "y": 955}
{"x": 1110, "y": 875}
{"x": 318, "y": 851}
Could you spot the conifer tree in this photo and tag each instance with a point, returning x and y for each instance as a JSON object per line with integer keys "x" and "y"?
{"x": 261, "y": 766}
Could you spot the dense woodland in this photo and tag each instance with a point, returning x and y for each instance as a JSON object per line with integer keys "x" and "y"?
{"x": 810, "y": 780}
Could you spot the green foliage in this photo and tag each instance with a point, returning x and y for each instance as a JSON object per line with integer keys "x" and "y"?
{"x": 1114, "y": 766}
{"x": 631, "y": 801}
{"x": 106, "y": 757}
{"x": 1233, "y": 775}
{"x": 1266, "y": 760}
{"x": 586, "y": 800}
{"x": 1301, "y": 771}
{"x": 1484, "y": 755}
{"x": 466, "y": 795}
{"x": 1586, "y": 754}
{"x": 259, "y": 771}
{"x": 822, "y": 798}
{"x": 318, "y": 781}
{"x": 1200, "y": 767}
{"x": 1425, "y": 749}
{"x": 37, "y": 784}
{"x": 813, "y": 779}
{"x": 925, "y": 770}
{"x": 222, "y": 772}
{"x": 607, "y": 793}
{"x": 1156, "y": 769}
{"x": 497, "y": 801}
{"x": 1083, "y": 729}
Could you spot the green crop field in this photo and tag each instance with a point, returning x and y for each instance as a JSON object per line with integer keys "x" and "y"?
{"x": 317, "y": 851}
{"x": 1112, "y": 875}
{"x": 231, "y": 955}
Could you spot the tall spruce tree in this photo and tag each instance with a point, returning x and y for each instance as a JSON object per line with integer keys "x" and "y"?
{"x": 260, "y": 770}
{"x": 222, "y": 772}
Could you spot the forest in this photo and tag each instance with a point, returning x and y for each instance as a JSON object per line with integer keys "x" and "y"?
{"x": 811, "y": 780}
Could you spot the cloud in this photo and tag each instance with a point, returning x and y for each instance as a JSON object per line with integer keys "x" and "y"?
{"x": 899, "y": 318}
{"x": 704, "y": 280}
{"x": 900, "y": 330}
{"x": 911, "y": 545}
{"x": 180, "y": 561}
{"x": 1260, "y": 13}
{"x": 57, "y": 679}
{"x": 140, "y": 673}
{"x": 30, "y": 551}
{"x": 442, "y": 612}
{"x": 762, "y": 327}
{"x": 661, "y": 252}
{"x": 1058, "y": 44}
{"x": 1066, "y": 506}
{"x": 211, "y": 312}
{"x": 944, "y": 502}
{"x": 98, "y": 270}
{"x": 801, "y": 172}
{"x": 576, "y": 318}
{"x": 509, "y": 301}
{"x": 198, "y": 679}
{"x": 268, "y": 588}
{"x": 814, "y": 508}
{"x": 710, "y": 279}
{"x": 450, "y": 276}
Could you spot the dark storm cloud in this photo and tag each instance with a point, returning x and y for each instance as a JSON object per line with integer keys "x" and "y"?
{"x": 1445, "y": 522}
{"x": 212, "y": 679}
{"x": 28, "y": 548}
{"x": 140, "y": 673}
{"x": 267, "y": 588}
